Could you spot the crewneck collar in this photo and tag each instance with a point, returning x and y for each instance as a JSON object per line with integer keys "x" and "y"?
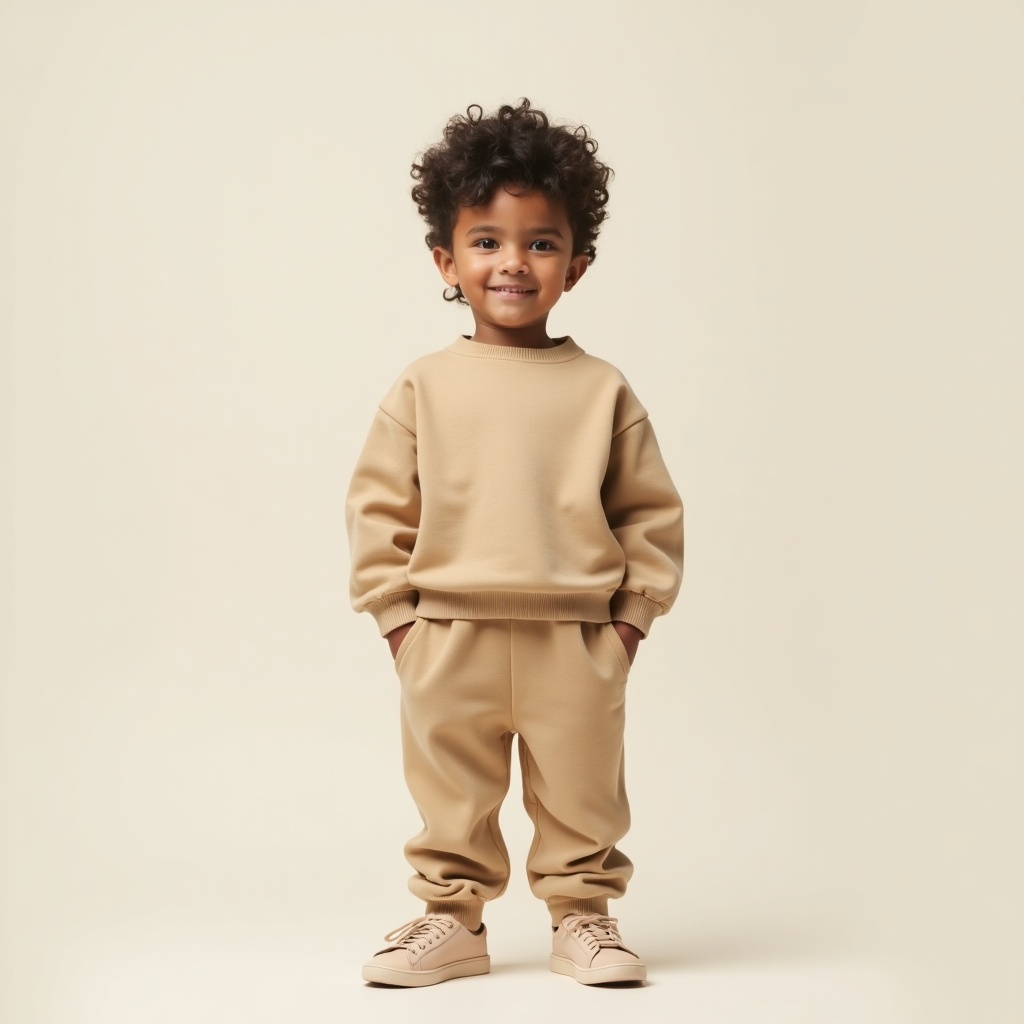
{"x": 561, "y": 353}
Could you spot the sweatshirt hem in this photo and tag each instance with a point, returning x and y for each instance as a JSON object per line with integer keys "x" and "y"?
{"x": 508, "y": 604}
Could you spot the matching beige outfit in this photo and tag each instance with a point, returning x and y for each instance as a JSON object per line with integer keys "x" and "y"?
{"x": 511, "y": 503}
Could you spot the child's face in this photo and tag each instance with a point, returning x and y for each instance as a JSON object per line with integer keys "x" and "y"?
{"x": 512, "y": 257}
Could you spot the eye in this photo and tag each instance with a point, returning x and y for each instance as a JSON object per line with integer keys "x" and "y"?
{"x": 542, "y": 245}
{"x": 485, "y": 243}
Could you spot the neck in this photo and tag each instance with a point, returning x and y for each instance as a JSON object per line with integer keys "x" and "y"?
{"x": 535, "y": 336}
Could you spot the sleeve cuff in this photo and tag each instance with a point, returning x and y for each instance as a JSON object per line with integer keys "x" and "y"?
{"x": 394, "y": 610}
{"x": 636, "y": 609}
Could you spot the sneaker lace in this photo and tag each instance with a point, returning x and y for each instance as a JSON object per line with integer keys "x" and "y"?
{"x": 421, "y": 931}
{"x": 597, "y": 931}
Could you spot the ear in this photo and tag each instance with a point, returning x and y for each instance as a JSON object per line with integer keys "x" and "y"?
{"x": 445, "y": 263}
{"x": 577, "y": 268}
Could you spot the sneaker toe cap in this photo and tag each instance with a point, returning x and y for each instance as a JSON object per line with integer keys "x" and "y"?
{"x": 395, "y": 959}
{"x": 611, "y": 957}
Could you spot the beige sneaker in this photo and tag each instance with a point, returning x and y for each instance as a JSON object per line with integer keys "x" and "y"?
{"x": 429, "y": 950}
{"x": 589, "y": 948}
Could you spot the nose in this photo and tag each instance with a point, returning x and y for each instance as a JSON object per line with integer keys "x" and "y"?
{"x": 513, "y": 261}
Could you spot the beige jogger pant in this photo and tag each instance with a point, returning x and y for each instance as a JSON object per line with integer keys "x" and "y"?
{"x": 469, "y": 685}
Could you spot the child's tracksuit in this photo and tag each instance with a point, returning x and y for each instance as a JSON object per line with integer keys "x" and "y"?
{"x": 512, "y": 502}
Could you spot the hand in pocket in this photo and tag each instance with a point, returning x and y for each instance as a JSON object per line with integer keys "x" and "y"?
{"x": 630, "y": 637}
{"x": 396, "y": 636}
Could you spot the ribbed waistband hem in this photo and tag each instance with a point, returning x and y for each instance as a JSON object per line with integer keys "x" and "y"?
{"x": 505, "y": 604}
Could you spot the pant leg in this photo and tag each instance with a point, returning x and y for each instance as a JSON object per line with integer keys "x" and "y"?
{"x": 456, "y": 741}
{"x": 569, "y": 686}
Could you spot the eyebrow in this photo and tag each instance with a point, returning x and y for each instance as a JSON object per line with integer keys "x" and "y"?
{"x": 490, "y": 229}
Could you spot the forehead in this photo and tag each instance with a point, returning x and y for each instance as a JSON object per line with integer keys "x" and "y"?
{"x": 512, "y": 212}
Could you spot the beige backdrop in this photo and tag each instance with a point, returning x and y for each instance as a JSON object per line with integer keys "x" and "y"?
{"x": 211, "y": 270}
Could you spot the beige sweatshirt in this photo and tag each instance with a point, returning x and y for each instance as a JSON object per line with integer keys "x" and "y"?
{"x": 508, "y": 482}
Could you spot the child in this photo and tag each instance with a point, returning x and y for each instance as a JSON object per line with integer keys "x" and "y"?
{"x": 514, "y": 533}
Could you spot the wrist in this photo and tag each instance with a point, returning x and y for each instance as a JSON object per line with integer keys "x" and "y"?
{"x": 629, "y": 627}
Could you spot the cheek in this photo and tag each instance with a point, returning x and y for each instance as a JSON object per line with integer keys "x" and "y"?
{"x": 557, "y": 276}
{"x": 474, "y": 269}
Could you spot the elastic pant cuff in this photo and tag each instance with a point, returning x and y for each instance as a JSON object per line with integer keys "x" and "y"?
{"x": 469, "y": 913}
{"x": 559, "y": 908}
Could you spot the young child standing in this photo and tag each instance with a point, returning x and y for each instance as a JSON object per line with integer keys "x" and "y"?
{"x": 514, "y": 532}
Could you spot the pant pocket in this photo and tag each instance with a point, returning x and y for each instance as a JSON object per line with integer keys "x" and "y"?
{"x": 618, "y": 646}
{"x": 410, "y": 639}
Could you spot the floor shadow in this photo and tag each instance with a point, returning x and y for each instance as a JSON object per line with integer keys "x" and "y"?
{"x": 516, "y": 966}
{"x": 725, "y": 949}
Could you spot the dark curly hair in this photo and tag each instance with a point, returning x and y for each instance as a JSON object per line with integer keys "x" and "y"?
{"x": 517, "y": 147}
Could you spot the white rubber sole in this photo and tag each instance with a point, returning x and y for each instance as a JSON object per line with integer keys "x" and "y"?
{"x": 418, "y": 979}
{"x": 597, "y": 975}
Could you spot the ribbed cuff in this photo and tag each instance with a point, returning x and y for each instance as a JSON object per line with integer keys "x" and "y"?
{"x": 559, "y": 908}
{"x": 636, "y": 609}
{"x": 469, "y": 913}
{"x": 393, "y": 610}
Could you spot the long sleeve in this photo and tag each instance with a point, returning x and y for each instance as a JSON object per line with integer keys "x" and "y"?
{"x": 382, "y": 513}
{"x": 645, "y": 513}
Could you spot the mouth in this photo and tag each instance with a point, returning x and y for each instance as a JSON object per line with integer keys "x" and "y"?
{"x": 510, "y": 290}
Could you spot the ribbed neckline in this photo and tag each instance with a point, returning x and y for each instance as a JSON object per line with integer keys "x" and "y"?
{"x": 561, "y": 353}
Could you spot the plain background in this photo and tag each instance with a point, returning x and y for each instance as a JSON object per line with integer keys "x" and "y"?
{"x": 210, "y": 272}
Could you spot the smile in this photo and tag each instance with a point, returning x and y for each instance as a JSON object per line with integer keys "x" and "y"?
{"x": 507, "y": 290}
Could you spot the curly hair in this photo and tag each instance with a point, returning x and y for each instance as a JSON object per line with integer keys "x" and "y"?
{"x": 516, "y": 148}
